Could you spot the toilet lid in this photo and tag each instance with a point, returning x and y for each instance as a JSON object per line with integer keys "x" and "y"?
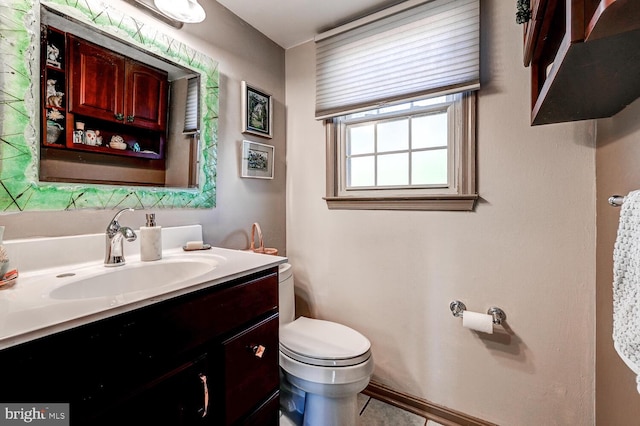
{"x": 320, "y": 342}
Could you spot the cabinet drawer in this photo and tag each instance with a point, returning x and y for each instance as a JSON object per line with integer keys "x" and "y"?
{"x": 250, "y": 376}
{"x": 174, "y": 328}
{"x": 212, "y": 314}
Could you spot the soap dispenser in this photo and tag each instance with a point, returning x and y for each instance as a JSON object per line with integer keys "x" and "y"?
{"x": 4, "y": 258}
{"x": 150, "y": 240}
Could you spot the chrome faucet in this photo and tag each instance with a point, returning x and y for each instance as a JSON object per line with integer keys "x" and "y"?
{"x": 114, "y": 251}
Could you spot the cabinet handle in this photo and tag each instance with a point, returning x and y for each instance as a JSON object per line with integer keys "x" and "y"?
{"x": 203, "y": 379}
{"x": 257, "y": 350}
{"x": 119, "y": 116}
{"x": 130, "y": 118}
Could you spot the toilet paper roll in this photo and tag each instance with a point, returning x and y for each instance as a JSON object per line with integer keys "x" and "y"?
{"x": 477, "y": 321}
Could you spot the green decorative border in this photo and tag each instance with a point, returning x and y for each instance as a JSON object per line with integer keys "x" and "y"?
{"x": 19, "y": 113}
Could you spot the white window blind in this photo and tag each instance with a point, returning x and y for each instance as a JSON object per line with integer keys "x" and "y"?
{"x": 431, "y": 48}
{"x": 191, "y": 116}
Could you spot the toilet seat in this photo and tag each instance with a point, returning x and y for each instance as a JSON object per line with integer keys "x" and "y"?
{"x": 323, "y": 343}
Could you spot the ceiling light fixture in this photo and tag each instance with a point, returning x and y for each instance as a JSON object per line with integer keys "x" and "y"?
{"x": 188, "y": 11}
{"x": 148, "y": 7}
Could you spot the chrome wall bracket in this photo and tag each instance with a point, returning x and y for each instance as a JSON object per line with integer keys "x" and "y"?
{"x": 498, "y": 315}
{"x": 458, "y": 308}
{"x": 616, "y": 200}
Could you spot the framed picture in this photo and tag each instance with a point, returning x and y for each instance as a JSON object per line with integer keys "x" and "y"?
{"x": 256, "y": 111}
{"x": 257, "y": 160}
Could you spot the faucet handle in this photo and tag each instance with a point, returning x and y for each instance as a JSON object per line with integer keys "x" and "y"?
{"x": 128, "y": 233}
{"x": 113, "y": 225}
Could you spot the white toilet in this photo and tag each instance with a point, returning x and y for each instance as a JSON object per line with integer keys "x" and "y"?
{"x": 325, "y": 362}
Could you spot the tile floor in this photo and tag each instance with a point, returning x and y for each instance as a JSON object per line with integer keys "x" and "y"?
{"x": 377, "y": 413}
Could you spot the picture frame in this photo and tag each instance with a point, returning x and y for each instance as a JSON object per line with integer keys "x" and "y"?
{"x": 257, "y": 160}
{"x": 257, "y": 111}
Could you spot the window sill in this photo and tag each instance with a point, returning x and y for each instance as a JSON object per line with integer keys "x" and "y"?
{"x": 436, "y": 202}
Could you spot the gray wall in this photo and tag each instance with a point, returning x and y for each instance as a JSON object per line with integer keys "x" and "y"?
{"x": 617, "y": 171}
{"x": 529, "y": 248}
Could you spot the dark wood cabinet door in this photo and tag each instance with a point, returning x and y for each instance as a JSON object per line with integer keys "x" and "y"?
{"x": 178, "y": 398}
{"x": 251, "y": 369}
{"x": 107, "y": 86}
{"x": 97, "y": 81}
{"x": 146, "y": 96}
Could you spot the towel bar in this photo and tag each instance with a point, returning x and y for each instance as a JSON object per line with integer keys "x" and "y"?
{"x": 616, "y": 200}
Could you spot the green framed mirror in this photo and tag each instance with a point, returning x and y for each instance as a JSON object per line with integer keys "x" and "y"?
{"x": 20, "y": 188}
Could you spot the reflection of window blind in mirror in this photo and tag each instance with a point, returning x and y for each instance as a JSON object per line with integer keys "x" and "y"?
{"x": 191, "y": 116}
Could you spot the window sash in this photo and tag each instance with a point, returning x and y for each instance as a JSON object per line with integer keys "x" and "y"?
{"x": 343, "y": 124}
{"x": 427, "y": 49}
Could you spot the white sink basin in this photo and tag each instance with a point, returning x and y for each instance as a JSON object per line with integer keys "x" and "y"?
{"x": 102, "y": 281}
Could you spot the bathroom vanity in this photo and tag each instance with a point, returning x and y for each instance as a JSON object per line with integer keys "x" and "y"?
{"x": 205, "y": 352}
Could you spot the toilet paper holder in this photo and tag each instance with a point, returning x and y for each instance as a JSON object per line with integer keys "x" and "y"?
{"x": 457, "y": 308}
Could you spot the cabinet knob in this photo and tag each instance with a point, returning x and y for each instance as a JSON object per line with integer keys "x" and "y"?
{"x": 203, "y": 379}
{"x": 119, "y": 116}
{"x": 257, "y": 350}
{"x": 130, "y": 118}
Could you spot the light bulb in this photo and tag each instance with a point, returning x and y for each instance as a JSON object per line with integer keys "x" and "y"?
{"x": 188, "y": 11}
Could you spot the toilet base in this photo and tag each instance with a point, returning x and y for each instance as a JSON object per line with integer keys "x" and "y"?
{"x": 328, "y": 403}
{"x": 321, "y": 410}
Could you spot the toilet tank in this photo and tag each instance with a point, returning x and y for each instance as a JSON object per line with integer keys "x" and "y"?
{"x": 286, "y": 297}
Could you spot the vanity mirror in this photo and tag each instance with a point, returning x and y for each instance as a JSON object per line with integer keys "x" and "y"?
{"x": 55, "y": 155}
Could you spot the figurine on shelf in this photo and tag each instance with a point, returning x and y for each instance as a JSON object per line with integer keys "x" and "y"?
{"x": 53, "y": 56}
{"x": 78, "y": 134}
{"x": 90, "y": 137}
{"x": 55, "y": 101}
{"x": 54, "y": 98}
{"x": 54, "y": 114}
{"x": 93, "y": 138}
{"x": 117, "y": 142}
{"x": 51, "y": 87}
{"x": 54, "y": 130}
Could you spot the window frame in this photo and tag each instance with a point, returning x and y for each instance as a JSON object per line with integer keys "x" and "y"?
{"x": 459, "y": 195}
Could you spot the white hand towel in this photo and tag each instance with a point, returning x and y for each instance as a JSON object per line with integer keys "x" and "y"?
{"x": 626, "y": 285}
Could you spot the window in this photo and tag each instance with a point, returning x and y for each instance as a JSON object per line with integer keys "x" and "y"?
{"x": 192, "y": 106}
{"x": 416, "y": 155}
{"x": 396, "y": 90}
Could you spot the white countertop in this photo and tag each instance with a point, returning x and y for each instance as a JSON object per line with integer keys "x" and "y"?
{"x": 27, "y": 310}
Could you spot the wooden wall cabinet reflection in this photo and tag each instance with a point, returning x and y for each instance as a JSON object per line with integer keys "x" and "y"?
{"x": 98, "y": 100}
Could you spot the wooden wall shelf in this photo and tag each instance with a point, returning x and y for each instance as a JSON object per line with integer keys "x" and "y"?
{"x": 121, "y": 152}
{"x": 584, "y": 58}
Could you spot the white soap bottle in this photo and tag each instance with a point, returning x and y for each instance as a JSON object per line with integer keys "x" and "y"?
{"x": 150, "y": 240}
{"x": 4, "y": 258}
